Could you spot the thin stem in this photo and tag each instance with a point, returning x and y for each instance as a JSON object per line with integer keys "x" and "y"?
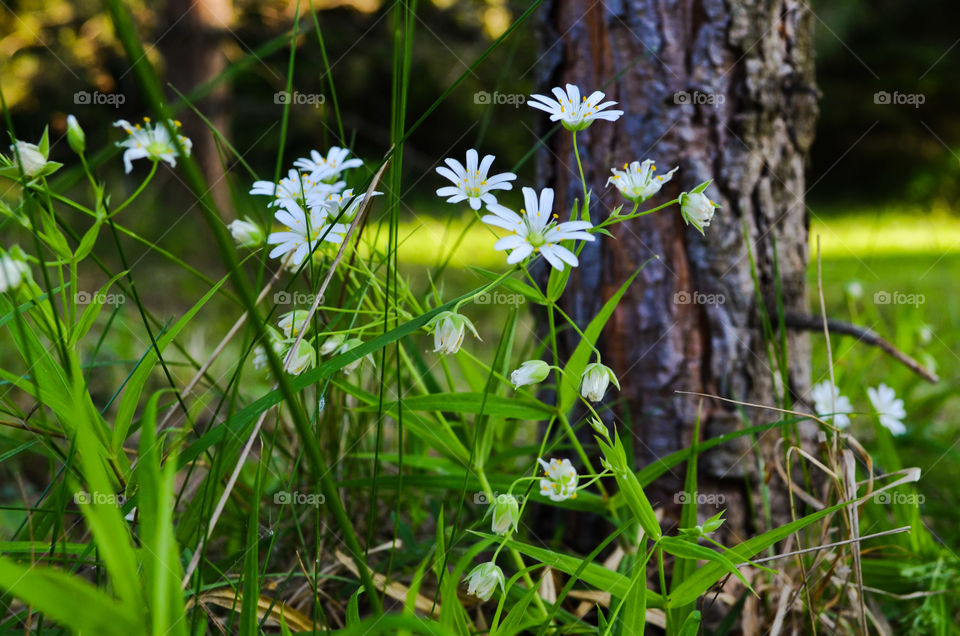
{"x": 137, "y": 192}
{"x": 576, "y": 152}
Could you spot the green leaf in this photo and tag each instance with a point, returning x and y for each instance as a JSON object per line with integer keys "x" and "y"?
{"x": 70, "y": 600}
{"x": 91, "y": 312}
{"x": 570, "y": 378}
{"x": 680, "y": 547}
{"x": 491, "y": 405}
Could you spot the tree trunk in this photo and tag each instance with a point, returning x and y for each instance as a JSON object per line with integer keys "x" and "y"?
{"x": 724, "y": 90}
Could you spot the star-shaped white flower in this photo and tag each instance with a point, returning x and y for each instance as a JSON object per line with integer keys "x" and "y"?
{"x": 327, "y": 168}
{"x": 560, "y": 481}
{"x": 305, "y": 232}
{"x": 150, "y": 141}
{"x": 827, "y": 399}
{"x": 342, "y": 206}
{"x": 637, "y": 182}
{"x": 472, "y": 182}
{"x": 889, "y": 408}
{"x": 295, "y": 191}
{"x": 574, "y": 112}
{"x": 535, "y": 229}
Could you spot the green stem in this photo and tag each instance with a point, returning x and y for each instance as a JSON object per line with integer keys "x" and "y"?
{"x": 576, "y": 152}
{"x": 137, "y": 192}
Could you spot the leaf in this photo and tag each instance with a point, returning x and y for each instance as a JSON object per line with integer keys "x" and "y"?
{"x": 683, "y": 548}
{"x": 91, "y": 312}
{"x": 69, "y": 600}
{"x": 570, "y": 378}
{"x": 474, "y": 403}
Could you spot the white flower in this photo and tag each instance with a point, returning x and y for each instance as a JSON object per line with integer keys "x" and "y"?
{"x": 75, "y": 136}
{"x": 889, "y": 408}
{"x": 560, "y": 482}
{"x": 342, "y": 206}
{"x": 331, "y": 344}
{"x": 572, "y": 111}
{"x": 472, "y": 181}
{"x": 636, "y": 182}
{"x": 827, "y": 399}
{"x": 260, "y": 354}
{"x": 537, "y": 230}
{"x": 595, "y": 380}
{"x": 31, "y": 157}
{"x": 326, "y": 168}
{"x": 530, "y": 372}
{"x": 506, "y": 514}
{"x": 854, "y": 289}
{"x": 246, "y": 233}
{"x": 304, "y": 358}
{"x": 150, "y": 141}
{"x": 352, "y": 343}
{"x": 293, "y": 322}
{"x": 484, "y": 579}
{"x": 448, "y": 331}
{"x": 13, "y": 271}
{"x": 294, "y": 192}
{"x": 304, "y": 233}
{"x": 697, "y": 209}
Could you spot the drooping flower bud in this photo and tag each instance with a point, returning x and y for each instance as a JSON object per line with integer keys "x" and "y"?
{"x": 530, "y": 372}
{"x": 596, "y": 378}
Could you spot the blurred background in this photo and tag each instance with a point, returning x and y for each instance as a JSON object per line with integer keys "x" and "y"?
{"x": 883, "y": 175}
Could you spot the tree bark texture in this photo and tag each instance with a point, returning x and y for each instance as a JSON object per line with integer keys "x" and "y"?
{"x": 724, "y": 90}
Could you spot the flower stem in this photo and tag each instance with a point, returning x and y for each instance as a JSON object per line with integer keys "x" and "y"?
{"x": 136, "y": 192}
{"x": 576, "y": 152}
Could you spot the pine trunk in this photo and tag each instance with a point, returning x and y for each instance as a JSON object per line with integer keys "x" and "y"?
{"x": 724, "y": 90}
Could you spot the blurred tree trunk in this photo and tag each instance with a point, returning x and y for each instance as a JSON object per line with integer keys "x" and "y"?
{"x": 724, "y": 89}
{"x": 193, "y": 50}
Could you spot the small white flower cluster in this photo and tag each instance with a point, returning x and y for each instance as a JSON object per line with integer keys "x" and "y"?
{"x": 836, "y": 408}
{"x": 284, "y": 338}
{"x": 311, "y": 203}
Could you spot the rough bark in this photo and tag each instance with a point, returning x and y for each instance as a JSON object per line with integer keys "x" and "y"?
{"x": 193, "y": 50}
{"x": 747, "y": 69}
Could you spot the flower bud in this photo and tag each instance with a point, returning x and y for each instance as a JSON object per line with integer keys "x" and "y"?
{"x": 697, "y": 209}
{"x": 530, "y": 372}
{"x": 293, "y": 322}
{"x": 352, "y": 343}
{"x": 29, "y": 156}
{"x": 303, "y": 358}
{"x": 506, "y": 514}
{"x": 596, "y": 378}
{"x": 484, "y": 579}
{"x": 75, "y": 136}
{"x": 331, "y": 344}
{"x": 13, "y": 270}
{"x": 246, "y": 233}
{"x": 448, "y": 330}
